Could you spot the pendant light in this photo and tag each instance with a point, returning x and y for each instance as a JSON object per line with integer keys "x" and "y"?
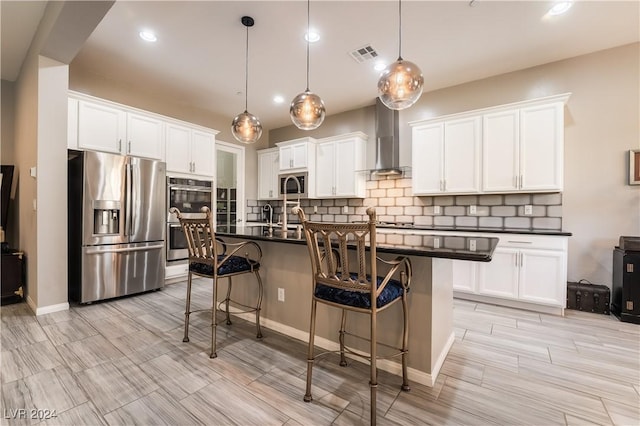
{"x": 246, "y": 127}
{"x": 400, "y": 84}
{"x": 307, "y": 109}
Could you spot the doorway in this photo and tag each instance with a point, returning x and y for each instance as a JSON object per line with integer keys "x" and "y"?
{"x": 230, "y": 199}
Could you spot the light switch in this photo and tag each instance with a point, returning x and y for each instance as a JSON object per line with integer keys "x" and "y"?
{"x": 33, "y": 173}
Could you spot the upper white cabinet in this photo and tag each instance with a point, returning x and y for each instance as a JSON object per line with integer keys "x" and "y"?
{"x": 297, "y": 154}
{"x": 109, "y": 128}
{"x": 190, "y": 150}
{"x": 268, "y": 170}
{"x": 340, "y": 164}
{"x": 523, "y": 149}
{"x": 509, "y": 148}
{"x": 100, "y": 125}
{"x": 446, "y": 157}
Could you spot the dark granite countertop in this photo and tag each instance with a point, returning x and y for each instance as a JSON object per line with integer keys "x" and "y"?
{"x": 550, "y": 232}
{"x": 402, "y": 242}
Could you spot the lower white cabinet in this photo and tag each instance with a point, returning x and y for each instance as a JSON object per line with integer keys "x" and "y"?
{"x": 525, "y": 270}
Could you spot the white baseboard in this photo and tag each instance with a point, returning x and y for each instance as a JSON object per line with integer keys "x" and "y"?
{"x": 326, "y": 344}
{"x": 529, "y": 306}
{"x": 442, "y": 357}
{"x": 47, "y": 309}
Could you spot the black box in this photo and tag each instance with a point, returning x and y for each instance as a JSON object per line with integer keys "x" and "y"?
{"x": 584, "y": 296}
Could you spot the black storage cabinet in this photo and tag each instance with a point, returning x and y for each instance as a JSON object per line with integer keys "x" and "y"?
{"x": 625, "y": 303}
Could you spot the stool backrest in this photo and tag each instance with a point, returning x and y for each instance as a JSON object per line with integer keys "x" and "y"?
{"x": 200, "y": 236}
{"x": 329, "y": 244}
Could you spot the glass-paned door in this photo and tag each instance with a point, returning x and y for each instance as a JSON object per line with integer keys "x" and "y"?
{"x": 229, "y": 184}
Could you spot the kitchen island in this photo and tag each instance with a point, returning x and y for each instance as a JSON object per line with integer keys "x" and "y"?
{"x": 286, "y": 267}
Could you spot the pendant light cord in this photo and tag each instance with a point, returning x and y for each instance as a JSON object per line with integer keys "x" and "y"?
{"x": 307, "y": 38}
{"x": 399, "y": 30}
{"x": 246, "y": 72}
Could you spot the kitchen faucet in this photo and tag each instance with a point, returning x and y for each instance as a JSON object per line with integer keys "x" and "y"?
{"x": 285, "y": 203}
{"x": 269, "y": 208}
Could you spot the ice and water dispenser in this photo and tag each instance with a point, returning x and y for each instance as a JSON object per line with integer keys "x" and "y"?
{"x": 106, "y": 217}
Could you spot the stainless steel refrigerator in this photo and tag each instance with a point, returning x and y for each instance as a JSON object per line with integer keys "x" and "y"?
{"x": 117, "y": 213}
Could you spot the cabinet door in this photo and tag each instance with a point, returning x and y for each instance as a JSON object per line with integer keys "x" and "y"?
{"x": 500, "y": 276}
{"x": 462, "y": 155}
{"x": 144, "y": 136}
{"x": 346, "y": 162}
{"x": 203, "y": 153}
{"x": 326, "y": 170}
{"x": 268, "y": 168}
{"x": 427, "y": 159}
{"x": 542, "y": 276}
{"x": 465, "y": 276}
{"x": 500, "y": 151}
{"x": 293, "y": 156}
{"x": 101, "y": 127}
{"x": 541, "y": 147}
{"x": 178, "y": 149}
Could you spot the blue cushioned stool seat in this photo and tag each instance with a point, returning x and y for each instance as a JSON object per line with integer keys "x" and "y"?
{"x": 233, "y": 265}
{"x": 357, "y": 299}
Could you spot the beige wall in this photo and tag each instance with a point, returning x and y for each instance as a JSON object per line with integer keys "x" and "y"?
{"x": 26, "y": 142}
{"x": 601, "y": 125}
{"x": 8, "y": 155}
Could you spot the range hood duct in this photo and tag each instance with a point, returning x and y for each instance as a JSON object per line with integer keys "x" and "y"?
{"x": 387, "y": 142}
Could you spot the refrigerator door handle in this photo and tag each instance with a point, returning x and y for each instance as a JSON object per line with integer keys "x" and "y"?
{"x": 128, "y": 219}
{"x": 124, "y": 250}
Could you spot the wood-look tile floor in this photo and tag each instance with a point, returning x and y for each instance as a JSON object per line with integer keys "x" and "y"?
{"x": 124, "y": 362}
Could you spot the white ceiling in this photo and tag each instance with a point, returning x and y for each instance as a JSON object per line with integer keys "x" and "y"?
{"x": 199, "y": 58}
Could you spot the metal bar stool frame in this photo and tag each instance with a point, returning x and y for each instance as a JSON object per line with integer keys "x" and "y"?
{"x": 208, "y": 258}
{"x": 334, "y": 282}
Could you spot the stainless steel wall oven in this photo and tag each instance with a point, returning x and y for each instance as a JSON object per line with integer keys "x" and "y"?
{"x": 189, "y": 196}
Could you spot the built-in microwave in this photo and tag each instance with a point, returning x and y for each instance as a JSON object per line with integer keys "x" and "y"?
{"x": 294, "y": 183}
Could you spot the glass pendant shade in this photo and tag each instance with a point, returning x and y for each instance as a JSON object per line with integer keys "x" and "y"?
{"x": 246, "y": 128}
{"x": 400, "y": 84}
{"x": 307, "y": 111}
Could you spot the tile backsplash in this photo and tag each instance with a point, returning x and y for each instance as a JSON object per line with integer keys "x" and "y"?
{"x": 394, "y": 202}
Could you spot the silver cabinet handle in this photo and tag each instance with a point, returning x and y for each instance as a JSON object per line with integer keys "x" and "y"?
{"x": 521, "y": 181}
{"x": 521, "y": 259}
{"x": 119, "y": 145}
{"x": 515, "y": 181}
{"x": 194, "y": 167}
{"x": 129, "y": 149}
{"x": 519, "y": 242}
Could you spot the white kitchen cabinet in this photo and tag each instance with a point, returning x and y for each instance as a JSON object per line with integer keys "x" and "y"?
{"x": 109, "y": 128}
{"x": 340, "y": 166}
{"x": 523, "y": 149}
{"x": 526, "y": 271}
{"x": 190, "y": 150}
{"x": 145, "y": 137}
{"x": 297, "y": 154}
{"x": 268, "y": 170}
{"x": 446, "y": 157}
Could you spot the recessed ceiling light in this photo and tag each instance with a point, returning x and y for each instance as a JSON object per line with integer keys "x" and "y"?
{"x": 379, "y": 66}
{"x": 148, "y": 36}
{"x": 560, "y": 7}
{"x": 278, "y": 99}
{"x": 312, "y": 36}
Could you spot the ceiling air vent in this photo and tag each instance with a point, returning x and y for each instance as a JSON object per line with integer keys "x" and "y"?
{"x": 363, "y": 53}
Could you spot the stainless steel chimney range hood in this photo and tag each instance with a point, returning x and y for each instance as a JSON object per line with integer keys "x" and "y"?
{"x": 387, "y": 143}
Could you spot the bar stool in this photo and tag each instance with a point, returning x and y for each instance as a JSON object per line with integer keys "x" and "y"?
{"x": 208, "y": 257}
{"x": 350, "y": 287}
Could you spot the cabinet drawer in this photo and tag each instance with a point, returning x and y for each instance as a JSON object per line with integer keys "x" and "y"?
{"x": 532, "y": 242}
